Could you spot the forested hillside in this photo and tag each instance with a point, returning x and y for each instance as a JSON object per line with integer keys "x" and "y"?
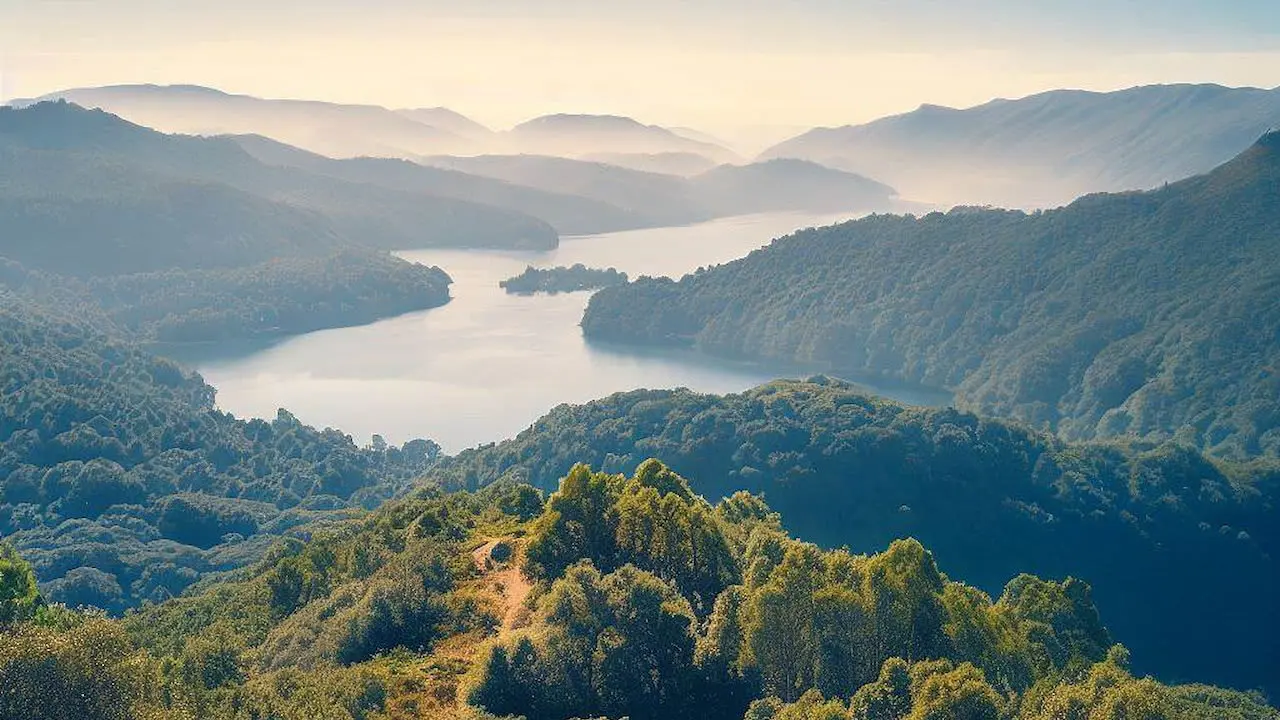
{"x": 280, "y": 297}
{"x": 620, "y": 596}
{"x": 1168, "y": 537}
{"x": 1047, "y": 149}
{"x": 1150, "y": 315}
{"x": 120, "y": 481}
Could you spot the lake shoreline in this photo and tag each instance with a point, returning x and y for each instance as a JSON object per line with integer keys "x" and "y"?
{"x": 486, "y": 365}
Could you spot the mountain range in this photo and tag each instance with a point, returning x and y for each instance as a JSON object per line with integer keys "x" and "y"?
{"x": 345, "y": 130}
{"x": 770, "y": 186}
{"x": 1047, "y": 149}
{"x": 133, "y": 197}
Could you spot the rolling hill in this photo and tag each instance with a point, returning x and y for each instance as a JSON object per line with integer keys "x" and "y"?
{"x": 122, "y": 482}
{"x": 1167, "y": 537}
{"x": 650, "y": 602}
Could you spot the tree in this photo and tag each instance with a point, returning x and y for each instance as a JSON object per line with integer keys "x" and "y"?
{"x": 575, "y": 526}
{"x": 779, "y": 625}
{"x": 90, "y": 671}
{"x": 889, "y": 697}
{"x": 947, "y": 693}
{"x": 19, "y": 596}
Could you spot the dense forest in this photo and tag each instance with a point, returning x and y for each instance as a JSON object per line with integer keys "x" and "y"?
{"x": 831, "y": 556}
{"x": 120, "y": 481}
{"x": 562, "y": 279}
{"x": 1168, "y": 537}
{"x": 288, "y": 296}
{"x": 279, "y": 297}
{"x": 620, "y": 596}
{"x": 1147, "y": 315}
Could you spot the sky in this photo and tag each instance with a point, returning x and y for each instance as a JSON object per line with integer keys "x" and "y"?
{"x": 731, "y": 67}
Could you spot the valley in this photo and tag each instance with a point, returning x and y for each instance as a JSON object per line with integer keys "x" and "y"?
{"x": 355, "y": 411}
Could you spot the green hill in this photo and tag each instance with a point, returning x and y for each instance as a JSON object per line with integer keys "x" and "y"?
{"x": 619, "y": 596}
{"x": 1149, "y": 315}
{"x": 1167, "y": 537}
{"x": 121, "y": 482}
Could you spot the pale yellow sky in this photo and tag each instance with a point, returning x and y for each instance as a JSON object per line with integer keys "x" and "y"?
{"x": 721, "y": 73}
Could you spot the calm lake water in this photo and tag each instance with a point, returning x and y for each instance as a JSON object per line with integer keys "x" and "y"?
{"x": 488, "y": 364}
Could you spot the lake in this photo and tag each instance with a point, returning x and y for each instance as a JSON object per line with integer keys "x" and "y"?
{"x": 488, "y": 364}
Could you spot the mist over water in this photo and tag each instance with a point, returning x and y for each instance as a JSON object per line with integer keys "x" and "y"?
{"x": 488, "y": 364}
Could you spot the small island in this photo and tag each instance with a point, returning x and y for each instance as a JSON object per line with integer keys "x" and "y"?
{"x": 562, "y": 279}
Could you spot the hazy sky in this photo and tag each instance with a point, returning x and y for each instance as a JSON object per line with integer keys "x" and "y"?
{"x": 716, "y": 64}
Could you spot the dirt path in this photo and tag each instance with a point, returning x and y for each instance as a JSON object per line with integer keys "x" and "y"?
{"x": 512, "y": 586}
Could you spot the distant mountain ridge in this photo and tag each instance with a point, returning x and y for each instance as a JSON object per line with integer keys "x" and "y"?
{"x": 1047, "y": 149}
{"x": 568, "y": 135}
{"x": 332, "y": 129}
{"x": 773, "y": 186}
{"x": 569, "y": 214}
{"x": 448, "y": 120}
{"x": 684, "y": 164}
{"x": 343, "y": 130}
{"x": 78, "y": 181}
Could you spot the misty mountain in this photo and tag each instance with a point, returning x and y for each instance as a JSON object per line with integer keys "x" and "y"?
{"x": 684, "y": 164}
{"x": 87, "y": 189}
{"x": 327, "y": 128}
{"x": 580, "y": 135}
{"x": 569, "y": 214}
{"x": 344, "y": 131}
{"x": 660, "y": 199}
{"x": 1142, "y": 314}
{"x": 700, "y": 136}
{"x": 782, "y": 185}
{"x": 776, "y": 186}
{"x": 1046, "y": 149}
{"x": 449, "y": 121}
